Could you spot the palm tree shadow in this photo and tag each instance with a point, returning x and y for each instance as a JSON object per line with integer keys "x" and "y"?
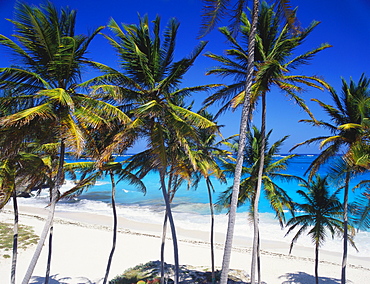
{"x": 304, "y": 278}
{"x": 54, "y": 279}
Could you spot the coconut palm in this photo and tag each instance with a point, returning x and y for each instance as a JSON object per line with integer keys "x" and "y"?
{"x": 273, "y": 170}
{"x": 214, "y": 10}
{"x": 321, "y": 211}
{"x": 19, "y": 174}
{"x": 275, "y": 61}
{"x": 149, "y": 89}
{"x": 351, "y": 107}
{"x": 360, "y": 210}
{"x": 277, "y": 196}
{"x": 209, "y": 156}
{"x": 211, "y": 15}
{"x": 51, "y": 56}
{"x": 89, "y": 172}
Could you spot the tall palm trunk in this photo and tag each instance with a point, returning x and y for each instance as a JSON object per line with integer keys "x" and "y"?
{"x": 317, "y": 263}
{"x": 15, "y": 237}
{"x": 255, "y": 250}
{"x": 240, "y": 156}
{"x": 113, "y": 183}
{"x": 345, "y": 229}
{"x": 172, "y": 225}
{"x": 212, "y": 230}
{"x": 49, "y": 220}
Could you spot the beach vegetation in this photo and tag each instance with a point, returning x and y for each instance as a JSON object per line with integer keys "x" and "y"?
{"x": 149, "y": 90}
{"x": 26, "y": 237}
{"x": 46, "y": 113}
{"x": 274, "y": 171}
{"x": 89, "y": 172}
{"x": 213, "y": 12}
{"x": 348, "y": 128}
{"x": 44, "y": 83}
{"x": 141, "y": 272}
{"x": 210, "y": 155}
{"x": 275, "y": 61}
{"x": 320, "y": 212}
{"x": 21, "y": 173}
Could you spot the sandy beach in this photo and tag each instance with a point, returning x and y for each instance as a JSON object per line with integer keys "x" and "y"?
{"x": 82, "y": 243}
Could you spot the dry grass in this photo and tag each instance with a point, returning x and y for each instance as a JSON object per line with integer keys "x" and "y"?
{"x": 26, "y": 238}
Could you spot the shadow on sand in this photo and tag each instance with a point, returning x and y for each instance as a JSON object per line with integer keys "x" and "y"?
{"x": 304, "y": 278}
{"x": 54, "y": 279}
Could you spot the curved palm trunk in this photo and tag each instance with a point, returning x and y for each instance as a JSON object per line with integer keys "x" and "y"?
{"x": 172, "y": 226}
{"x": 49, "y": 220}
{"x": 255, "y": 250}
{"x": 345, "y": 229}
{"x": 212, "y": 230}
{"x": 242, "y": 138}
{"x": 15, "y": 237}
{"x": 317, "y": 263}
{"x": 114, "y": 227}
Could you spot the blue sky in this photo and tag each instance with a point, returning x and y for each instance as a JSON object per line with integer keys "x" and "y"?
{"x": 344, "y": 24}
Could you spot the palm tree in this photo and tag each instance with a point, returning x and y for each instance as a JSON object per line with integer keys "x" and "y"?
{"x": 148, "y": 88}
{"x": 274, "y": 61}
{"x": 350, "y": 108}
{"x": 91, "y": 172}
{"x": 214, "y": 10}
{"x": 44, "y": 85}
{"x": 277, "y": 196}
{"x": 320, "y": 212}
{"x": 209, "y": 157}
{"x": 272, "y": 170}
{"x": 21, "y": 173}
{"x": 360, "y": 210}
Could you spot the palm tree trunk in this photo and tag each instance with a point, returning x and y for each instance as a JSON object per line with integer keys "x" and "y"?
{"x": 212, "y": 230}
{"x": 114, "y": 227}
{"x": 164, "y": 227}
{"x": 48, "y": 264}
{"x": 164, "y": 233}
{"x": 15, "y": 237}
{"x": 259, "y": 260}
{"x": 317, "y": 263}
{"x": 172, "y": 226}
{"x": 345, "y": 229}
{"x": 49, "y": 220}
{"x": 255, "y": 250}
{"x": 240, "y": 156}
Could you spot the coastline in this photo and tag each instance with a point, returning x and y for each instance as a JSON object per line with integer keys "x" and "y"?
{"x": 82, "y": 242}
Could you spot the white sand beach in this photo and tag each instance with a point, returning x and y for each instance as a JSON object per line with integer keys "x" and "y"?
{"x": 82, "y": 243}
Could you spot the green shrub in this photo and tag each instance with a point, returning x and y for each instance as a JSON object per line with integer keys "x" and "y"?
{"x": 141, "y": 272}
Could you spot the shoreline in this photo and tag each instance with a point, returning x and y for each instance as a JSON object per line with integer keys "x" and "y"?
{"x": 81, "y": 237}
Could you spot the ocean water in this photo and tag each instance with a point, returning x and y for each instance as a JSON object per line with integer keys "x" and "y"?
{"x": 191, "y": 207}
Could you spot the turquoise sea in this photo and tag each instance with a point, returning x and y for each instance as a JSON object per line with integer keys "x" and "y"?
{"x": 191, "y": 207}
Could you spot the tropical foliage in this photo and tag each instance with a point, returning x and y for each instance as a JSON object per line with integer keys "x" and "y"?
{"x": 348, "y": 127}
{"x": 47, "y": 113}
{"x": 321, "y": 211}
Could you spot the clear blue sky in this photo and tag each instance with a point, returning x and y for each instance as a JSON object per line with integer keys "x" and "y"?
{"x": 344, "y": 24}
